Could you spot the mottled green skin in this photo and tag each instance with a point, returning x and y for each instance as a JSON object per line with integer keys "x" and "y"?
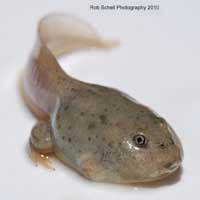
{"x": 97, "y": 125}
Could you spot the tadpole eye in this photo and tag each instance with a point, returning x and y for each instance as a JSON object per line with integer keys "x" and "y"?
{"x": 139, "y": 140}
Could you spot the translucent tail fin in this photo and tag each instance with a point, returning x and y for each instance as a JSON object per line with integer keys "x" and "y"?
{"x": 64, "y": 34}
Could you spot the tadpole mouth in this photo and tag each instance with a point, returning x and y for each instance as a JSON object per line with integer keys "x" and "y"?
{"x": 172, "y": 166}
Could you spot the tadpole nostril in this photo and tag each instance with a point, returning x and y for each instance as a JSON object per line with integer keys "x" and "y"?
{"x": 162, "y": 145}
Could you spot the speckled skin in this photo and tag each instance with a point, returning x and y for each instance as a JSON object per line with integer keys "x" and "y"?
{"x": 92, "y": 128}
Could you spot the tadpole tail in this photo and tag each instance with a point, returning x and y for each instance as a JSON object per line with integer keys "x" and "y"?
{"x": 44, "y": 80}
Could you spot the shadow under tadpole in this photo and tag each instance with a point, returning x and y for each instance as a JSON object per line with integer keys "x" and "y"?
{"x": 172, "y": 179}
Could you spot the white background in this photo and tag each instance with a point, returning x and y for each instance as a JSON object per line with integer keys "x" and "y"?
{"x": 157, "y": 63}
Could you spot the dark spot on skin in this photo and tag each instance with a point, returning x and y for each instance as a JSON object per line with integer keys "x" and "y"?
{"x": 58, "y": 81}
{"x": 119, "y": 143}
{"x": 69, "y": 140}
{"x": 58, "y": 117}
{"x": 58, "y": 77}
{"x": 66, "y": 107}
{"x": 59, "y": 126}
{"x": 91, "y": 125}
{"x": 63, "y": 137}
{"x": 74, "y": 97}
{"x": 110, "y": 144}
{"x": 103, "y": 119}
{"x": 103, "y": 139}
{"x": 79, "y": 151}
{"x": 62, "y": 78}
{"x": 117, "y": 124}
{"x": 89, "y": 139}
{"x": 82, "y": 113}
{"x": 69, "y": 127}
{"x": 96, "y": 136}
{"x": 106, "y": 110}
{"x": 117, "y": 109}
{"x": 92, "y": 114}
